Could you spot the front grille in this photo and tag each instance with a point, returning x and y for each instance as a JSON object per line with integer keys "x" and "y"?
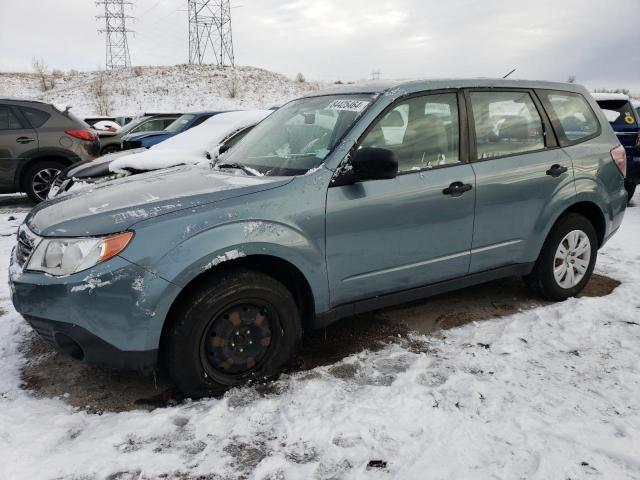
{"x": 26, "y": 243}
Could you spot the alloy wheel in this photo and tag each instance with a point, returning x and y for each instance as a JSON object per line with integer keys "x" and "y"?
{"x": 42, "y": 181}
{"x": 572, "y": 258}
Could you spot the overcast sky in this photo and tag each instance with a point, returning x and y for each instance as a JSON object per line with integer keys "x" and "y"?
{"x": 598, "y": 41}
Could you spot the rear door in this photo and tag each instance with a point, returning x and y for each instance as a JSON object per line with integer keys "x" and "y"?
{"x": 17, "y": 142}
{"x": 520, "y": 172}
{"x": 385, "y": 236}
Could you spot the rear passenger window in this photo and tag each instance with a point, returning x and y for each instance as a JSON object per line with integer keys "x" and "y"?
{"x": 506, "y": 123}
{"x": 422, "y": 131}
{"x": 36, "y": 118}
{"x": 573, "y": 114}
{"x": 8, "y": 120}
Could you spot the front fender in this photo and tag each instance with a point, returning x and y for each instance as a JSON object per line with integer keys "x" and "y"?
{"x": 286, "y": 222}
{"x": 209, "y": 248}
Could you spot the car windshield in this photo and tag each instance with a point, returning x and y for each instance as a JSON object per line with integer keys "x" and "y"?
{"x": 298, "y": 136}
{"x": 132, "y": 124}
{"x": 179, "y": 124}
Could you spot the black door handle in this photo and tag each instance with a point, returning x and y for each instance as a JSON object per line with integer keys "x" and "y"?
{"x": 24, "y": 140}
{"x": 556, "y": 170}
{"x": 457, "y": 188}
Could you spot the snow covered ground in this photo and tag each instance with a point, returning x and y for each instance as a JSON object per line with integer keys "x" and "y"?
{"x": 548, "y": 393}
{"x": 179, "y": 88}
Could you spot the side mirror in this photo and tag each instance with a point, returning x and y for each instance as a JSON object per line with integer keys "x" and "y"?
{"x": 371, "y": 163}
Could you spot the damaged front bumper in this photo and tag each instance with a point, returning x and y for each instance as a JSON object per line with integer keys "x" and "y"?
{"x": 111, "y": 314}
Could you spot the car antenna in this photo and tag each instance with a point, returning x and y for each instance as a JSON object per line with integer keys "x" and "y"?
{"x": 510, "y": 73}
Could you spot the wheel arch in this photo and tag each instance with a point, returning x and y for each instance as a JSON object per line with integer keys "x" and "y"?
{"x": 26, "y": 166}
{"x": 280, "y": 269}
{"x": 591, "y": 212}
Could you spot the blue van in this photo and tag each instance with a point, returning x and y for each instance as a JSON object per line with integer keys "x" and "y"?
{"x": 625, "y": 121}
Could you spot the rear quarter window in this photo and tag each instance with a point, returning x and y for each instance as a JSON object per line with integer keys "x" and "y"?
{"x": 36, "y": 118}
{"x": 572, "y": 116}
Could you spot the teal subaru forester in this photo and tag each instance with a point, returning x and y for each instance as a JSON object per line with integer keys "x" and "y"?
{"x": 341, "y": 202}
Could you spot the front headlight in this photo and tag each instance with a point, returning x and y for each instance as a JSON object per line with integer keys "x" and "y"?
{"x": 64, "y": 256}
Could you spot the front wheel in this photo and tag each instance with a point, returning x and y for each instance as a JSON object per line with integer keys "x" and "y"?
{"x": 567, "y": 259}
{"x": 39, "y": 178}
{"x": 237, "y": 327}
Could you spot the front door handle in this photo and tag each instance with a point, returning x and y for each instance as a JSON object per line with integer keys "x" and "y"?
{"x": 457, "y": 188}
{"x": 24, "y": 140}
{"x": 556, "y": 170}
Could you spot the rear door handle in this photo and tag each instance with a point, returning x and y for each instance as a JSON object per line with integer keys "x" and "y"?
{"x": 556, "y": 170}
{"x": 457, "y": 188}
{"x": 24, "y": 140}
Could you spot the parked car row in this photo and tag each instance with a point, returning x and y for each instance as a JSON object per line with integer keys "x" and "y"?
{"x": 344, "y": 201}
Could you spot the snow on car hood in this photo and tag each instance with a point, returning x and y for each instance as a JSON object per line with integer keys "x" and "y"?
{"x": 116, "y": 206}
{"x": 192, "y": 146}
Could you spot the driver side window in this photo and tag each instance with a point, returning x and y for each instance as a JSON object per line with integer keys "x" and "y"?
{"x": 422, "y": 131}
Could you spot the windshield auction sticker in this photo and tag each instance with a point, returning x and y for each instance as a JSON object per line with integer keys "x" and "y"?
{"x": 348, "y": 105}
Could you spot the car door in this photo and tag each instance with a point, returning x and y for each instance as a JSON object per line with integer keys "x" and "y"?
{"x": 17, "y": 140}
{"x": 385, "y": 236}
{"x": 520, "y": 172}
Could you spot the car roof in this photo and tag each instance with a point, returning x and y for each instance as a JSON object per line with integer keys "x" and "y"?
{"x": 609, "y": 96}
{"x": 22, "y": 100}
{"x": 392, "y": 86}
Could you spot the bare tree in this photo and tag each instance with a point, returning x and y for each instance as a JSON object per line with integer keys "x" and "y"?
{"x": 232, "y": 86}
{"x": 571, "y": 79}
{"x": 47, "y": 82}
{"x": 300, "y": 78}
{"x": 102, "y": 93}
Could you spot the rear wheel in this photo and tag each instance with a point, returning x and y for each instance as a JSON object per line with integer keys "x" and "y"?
{"x": 39, "y": 178}
{"x": 238, "y": 327}
{"x": 567, "y": 259}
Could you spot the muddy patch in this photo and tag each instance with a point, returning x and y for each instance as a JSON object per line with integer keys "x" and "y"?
{"x": 50, "y": 374}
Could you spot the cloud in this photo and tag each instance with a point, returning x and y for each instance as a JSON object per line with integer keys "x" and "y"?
{"x": 339, "y": 39}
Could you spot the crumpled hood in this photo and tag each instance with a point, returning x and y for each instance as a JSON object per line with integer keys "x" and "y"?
{"x": 117, "y": 205}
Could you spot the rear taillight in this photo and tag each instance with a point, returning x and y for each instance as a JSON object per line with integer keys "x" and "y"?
{"x": 85, "y": 135}
{"x": 620, "y": 159}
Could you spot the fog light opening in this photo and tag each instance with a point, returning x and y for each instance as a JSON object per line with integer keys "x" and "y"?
{"x": 69, "y": 346}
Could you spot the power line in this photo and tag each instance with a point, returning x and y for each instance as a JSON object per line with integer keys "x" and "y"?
{"x": 210, "y": 32}
{"x": 115, "y": 30}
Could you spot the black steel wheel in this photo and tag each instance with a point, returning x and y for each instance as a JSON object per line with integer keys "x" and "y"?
{"x": 238, "y": 339}
{"x": 235, "y": 327}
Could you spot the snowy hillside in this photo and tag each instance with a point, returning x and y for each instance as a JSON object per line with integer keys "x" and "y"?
{"x": 175, "y": 88}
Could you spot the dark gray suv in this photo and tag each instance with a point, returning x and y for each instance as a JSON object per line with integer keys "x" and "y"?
{"x": 38, "y": 141}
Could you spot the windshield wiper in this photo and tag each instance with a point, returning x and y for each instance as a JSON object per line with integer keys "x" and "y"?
{"x": 237, "y": 166}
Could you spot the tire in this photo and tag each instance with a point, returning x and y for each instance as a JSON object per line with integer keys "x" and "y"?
{"x": 631, "y": 189}
{"x": 543, "y": 281}
{"x": 109, "y": 149}
{"x": 203, "y": 348}
{"x": 39, "y": 178}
